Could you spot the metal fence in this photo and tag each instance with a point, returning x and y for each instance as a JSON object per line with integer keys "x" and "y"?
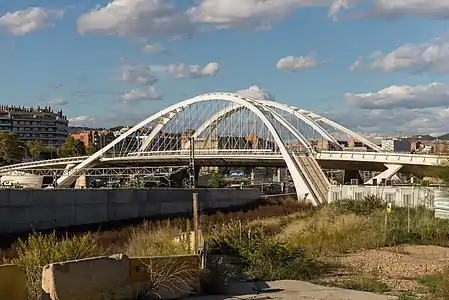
{"x": 441, "y": 204}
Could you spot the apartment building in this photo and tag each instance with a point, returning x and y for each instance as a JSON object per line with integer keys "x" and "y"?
{"x": 396, "y": 145}
{"x": 99, "y": 138}
{"x": 42, "y": 124}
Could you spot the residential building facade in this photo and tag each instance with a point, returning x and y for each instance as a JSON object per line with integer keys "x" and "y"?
{"x": 99, "y": 138}
{"x": 42, "y": 124}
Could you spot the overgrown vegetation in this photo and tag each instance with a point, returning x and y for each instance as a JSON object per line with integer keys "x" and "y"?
{"x": 284, "y": 240}
{"x": 39, "y": 250}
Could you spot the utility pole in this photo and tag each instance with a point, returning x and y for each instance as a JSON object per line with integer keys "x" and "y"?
{"x": 192, "y": 163}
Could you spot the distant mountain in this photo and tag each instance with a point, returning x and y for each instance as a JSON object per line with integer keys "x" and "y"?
{"x": 77, "y": 129}
{"x": 423, "y": 137}
{"x": 444, "y": 137}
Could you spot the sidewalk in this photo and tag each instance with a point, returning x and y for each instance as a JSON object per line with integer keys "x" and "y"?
{"x": 291, "y": 290}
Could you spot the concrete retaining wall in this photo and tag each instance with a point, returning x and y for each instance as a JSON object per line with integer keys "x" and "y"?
{"x": 12, "y": 283}
{"x": 39, "y": 209}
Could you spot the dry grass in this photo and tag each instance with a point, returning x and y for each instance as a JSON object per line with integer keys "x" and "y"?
{"x": 146, "y": 241}
{"x": 286, "y": 240}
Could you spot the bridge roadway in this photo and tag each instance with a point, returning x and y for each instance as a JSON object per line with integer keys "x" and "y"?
{"x": 420, "y": 165}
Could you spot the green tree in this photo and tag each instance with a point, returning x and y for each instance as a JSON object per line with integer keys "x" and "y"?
{"x": 91, "y": 149}
{"x": 216, "y": 181}
{"x": 72, "y": 147}
{"x": 11, "y": 149}
{"x": 35, "y": 149}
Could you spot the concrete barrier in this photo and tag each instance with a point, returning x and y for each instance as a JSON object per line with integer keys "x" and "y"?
{"x": 12, "y": 283}
{"x": 39, "y": 209}
{"x": 92, "y": 278}
{"x": 121, "y": 278}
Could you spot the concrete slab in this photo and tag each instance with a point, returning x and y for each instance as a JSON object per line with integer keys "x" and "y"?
{"x": 291, "y": 289}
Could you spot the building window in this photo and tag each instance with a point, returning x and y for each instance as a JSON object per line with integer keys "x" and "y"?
{"x": 406, "y": 200}
{"x": 335, "y": 196}
{"x": 390, "y": 197}
{"x": 358, "y": 195}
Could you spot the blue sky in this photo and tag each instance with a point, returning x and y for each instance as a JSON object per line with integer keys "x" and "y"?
{"x": 376, "y": 66}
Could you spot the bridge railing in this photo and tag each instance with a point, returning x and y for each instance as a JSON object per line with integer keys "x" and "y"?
{"x": 206, "y": 152}
{"x": 44, "y": 162}
{"x": 387, "y": 156}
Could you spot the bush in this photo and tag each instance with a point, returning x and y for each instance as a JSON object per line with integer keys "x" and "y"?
{"x": 368, "y": 205}
{"x": 437, "y": 284}
{"x": 364, "y": 283}
{"x": 39, "y": 250}
{"x": 146, "y": 241}
{"x": 262, "y": 256}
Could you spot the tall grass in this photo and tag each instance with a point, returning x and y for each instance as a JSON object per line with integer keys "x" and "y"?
{"x": 274, "y": 242}
{"x": 39, "y": 250}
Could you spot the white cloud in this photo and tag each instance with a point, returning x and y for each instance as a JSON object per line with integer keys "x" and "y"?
{"x": 393, "y": 9}
{"x": 183, "y": 71}
{"x": 432, "y": 56}
{"x": 136, "y": 96}
{"x": 138, "y": 74}
{"x": 385, "y": 121}
{"x": 410, "y": 97}
{"x": 252, "y": 13}
{"x": 57, "y": 101}
{"x": 31, "y": 19}
{"x": 153, "y": 48}
{"x": 293, "y": 63}
{"x": 139, "y": 18}
{"x": 256, "y": 92}
{"x": 419, "y": 109}
{"x": 81, "y": 121}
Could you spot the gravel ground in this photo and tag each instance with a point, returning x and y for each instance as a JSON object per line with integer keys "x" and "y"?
{"x": 399, "y": 266}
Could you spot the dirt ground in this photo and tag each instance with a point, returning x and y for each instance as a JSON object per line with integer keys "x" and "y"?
{"x": 398, "y": 267}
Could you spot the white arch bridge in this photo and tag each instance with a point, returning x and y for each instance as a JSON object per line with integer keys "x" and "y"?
{"x": 231, "y": 130}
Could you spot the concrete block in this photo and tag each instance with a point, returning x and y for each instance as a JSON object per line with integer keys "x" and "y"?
{"x": 169, "y": 277}
{"x": 12, "y": 283}
{"x": 87, "y": 279}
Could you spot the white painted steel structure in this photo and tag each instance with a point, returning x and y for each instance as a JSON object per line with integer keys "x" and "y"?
{"x": 233, "y": 129}
{"x": 220, "y": 154}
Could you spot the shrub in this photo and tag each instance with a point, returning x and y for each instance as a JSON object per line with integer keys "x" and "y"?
{"x": 368, "y": 205}
{"x": 263, "y": 256}
{"x": 364, "y": 283}
{"x": 39, "y": 250}
{"x": 437, "y": 284}
{"x": 146, "y": 241}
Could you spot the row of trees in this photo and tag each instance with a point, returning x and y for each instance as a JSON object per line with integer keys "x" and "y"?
{"x": 13, "y": 150}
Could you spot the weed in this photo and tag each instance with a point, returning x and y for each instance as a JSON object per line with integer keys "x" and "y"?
{"x": 146, "y": 241}
{"x": 437, "y": 284}
{"x": 39, "y": 250}
{"x": 364, "y": 283}
{"x": 368, "y": 205}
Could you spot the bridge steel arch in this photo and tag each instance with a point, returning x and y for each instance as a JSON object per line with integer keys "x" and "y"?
{"x": 301, "y": 186}
{"x": 217, "y": 117}
{"x": 309, "y": 121}
{"x": 360, "y": 138}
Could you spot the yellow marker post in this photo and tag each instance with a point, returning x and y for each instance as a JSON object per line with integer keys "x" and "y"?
{"x": 388, "y": 207}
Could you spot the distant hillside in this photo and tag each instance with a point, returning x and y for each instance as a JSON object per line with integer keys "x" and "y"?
{"x": 444, "y": 137}
{"x": 423, "y": 137}
{"x": 77, "y": 129}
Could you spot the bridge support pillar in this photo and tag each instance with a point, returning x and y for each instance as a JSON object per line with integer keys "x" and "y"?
{"x": 351, "y": 174}
{"x": 388, "y": 174}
